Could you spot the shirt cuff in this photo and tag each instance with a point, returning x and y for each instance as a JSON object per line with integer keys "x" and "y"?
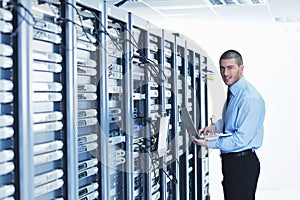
{"x": 219, "y": 126}
{"x": 211, "y": 143}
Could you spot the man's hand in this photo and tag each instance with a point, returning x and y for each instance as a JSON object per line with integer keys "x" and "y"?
{"x": 208, "y": 129}
{"x": 203, "y": 131}
{"x": 200, "y": 142}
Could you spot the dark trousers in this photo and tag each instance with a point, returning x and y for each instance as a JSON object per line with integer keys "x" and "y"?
{"x": 240, "y": 176}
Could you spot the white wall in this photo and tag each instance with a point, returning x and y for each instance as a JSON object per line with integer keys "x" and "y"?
{"x": 271, "y": 59}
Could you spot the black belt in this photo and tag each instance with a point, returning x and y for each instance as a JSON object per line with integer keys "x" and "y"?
{"x": 238, "y": 154}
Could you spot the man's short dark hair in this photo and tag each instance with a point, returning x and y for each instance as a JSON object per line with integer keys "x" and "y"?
{"x": 232, "y": 54}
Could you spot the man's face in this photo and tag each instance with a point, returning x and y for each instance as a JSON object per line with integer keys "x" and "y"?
{"x": 230, "y": 71}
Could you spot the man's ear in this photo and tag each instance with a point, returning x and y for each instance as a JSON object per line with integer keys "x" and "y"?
{"x": 241, "y": 69}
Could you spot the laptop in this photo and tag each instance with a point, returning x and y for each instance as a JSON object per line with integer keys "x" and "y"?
{"x": 188, "y": 123}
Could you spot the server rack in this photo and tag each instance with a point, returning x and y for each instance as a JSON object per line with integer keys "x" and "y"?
{"x": 191, "y": 104}
{"x": 203, "y": 172}
{"x": 170, "y": 84}
{"x": 81, "y": 106}
{"x": 40, "y": 132}
{"x": 8, "y": 105}
{"x": 166, "y": 173}
{"x": 147, "y": 57}
{"x": 138, "y": 115}
{"x": 156, "y": 108}
{"x": 48, "y": 106}
{"x": 197, "y": 87}
{"x": 180, "y": 74}
{"x": 194, "y": 62}
{"x": 87, "y": 54}
{"x": 116, "y": 65}
{"x": 138, "y": 109}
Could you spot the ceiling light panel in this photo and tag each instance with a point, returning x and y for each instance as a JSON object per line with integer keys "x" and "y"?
{"x": 177, "y": 3}
{"x": 178, "y": 9}
{"x": 135, "y": 5}
{"x": 288, "y": 19}
{"x": 259, "y": 14}
{"x": 190, "y": 11}
{"x": 236, "y": 2}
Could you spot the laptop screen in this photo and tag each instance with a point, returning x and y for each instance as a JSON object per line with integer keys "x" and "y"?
{"x": 188, "y": 123}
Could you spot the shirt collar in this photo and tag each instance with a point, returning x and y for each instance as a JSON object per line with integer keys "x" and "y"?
{"x": 237, "y": 86}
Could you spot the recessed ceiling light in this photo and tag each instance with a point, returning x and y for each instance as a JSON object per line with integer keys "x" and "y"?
{"x": 236, "y": 2}
{"x": 288, "y": 19}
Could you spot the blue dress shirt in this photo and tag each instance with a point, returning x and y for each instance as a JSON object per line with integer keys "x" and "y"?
{"x": 244, "y": 119}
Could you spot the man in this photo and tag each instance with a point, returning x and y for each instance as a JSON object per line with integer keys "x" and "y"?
{"x": 243, "y": 117}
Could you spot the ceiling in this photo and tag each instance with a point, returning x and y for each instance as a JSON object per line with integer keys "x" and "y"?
{"x": 284, "y": 12}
